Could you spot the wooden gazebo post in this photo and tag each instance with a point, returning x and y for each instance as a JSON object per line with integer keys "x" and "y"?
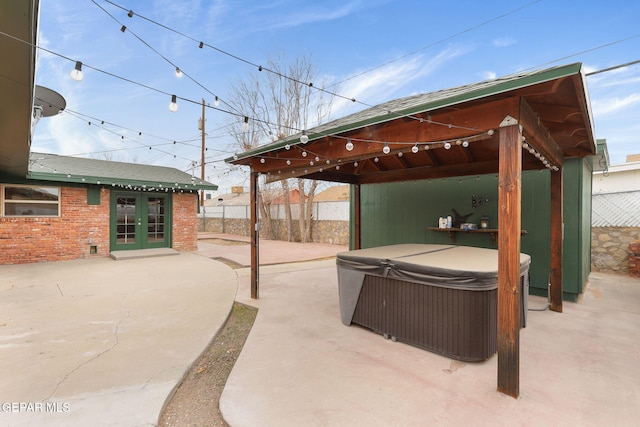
{"x": 557, "y": 223}
{"x": 357, "y": 230}
{"x": 255, "y": 233}
{"x": 509, "y": 223}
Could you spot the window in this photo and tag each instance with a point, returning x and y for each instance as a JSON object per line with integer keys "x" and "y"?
{"x": 23, "y": 200}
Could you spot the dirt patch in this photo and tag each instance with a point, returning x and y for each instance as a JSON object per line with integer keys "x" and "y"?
{"x": 223, "y": 242}
{"x": 229, "y": 262}
{"x": 195, "y": 401}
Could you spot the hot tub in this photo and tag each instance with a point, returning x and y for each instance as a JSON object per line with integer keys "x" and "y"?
{"x": 441, "y": 298}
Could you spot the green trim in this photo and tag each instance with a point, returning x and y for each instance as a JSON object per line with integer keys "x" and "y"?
{"x": 116, "y": 183}
{"x": 432, "y": 101}
{"x": 93, "y": 195}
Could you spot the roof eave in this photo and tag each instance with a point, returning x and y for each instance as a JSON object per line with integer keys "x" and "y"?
{"x": 122, "y": 183}
{"x": 482, "y": 92}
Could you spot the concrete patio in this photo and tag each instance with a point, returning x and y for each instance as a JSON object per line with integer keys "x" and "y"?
{"x": 301, "y": 366}
{"x": 111, "y": 339}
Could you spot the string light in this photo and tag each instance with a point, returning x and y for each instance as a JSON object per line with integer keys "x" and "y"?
{"x": 245, "y": 124}
{"x": 349, "y": 146}
{"x": 304, "y": 138}
{"x": 179, "y": 72}
{"x": 386, "y": 149}
{"x": 415, "y": 149}
{"x": 76, "y": 73}
{"x": 173, "y": 105}
{"x": 447, "y": 145}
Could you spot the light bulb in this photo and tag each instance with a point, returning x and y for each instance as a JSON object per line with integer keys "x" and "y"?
{"x": 287, "y": 147}
{"x": 262, "y": 160}
{"x": 447, "y": 145}
{"x": 216, "y": 102}
{"x": 173, "y": 105}
{"x": 304, "y": 154}
{"x": 349, "y": 145}
{"x": 288, "y": 162}
{"x": 76, "y": 74}
{"x": 465, "y": 143}
{"x": 414, "y": 149}
{"x": 178, "y": 72}
{"x": 304, "y": 138}
{"x": 386, "y": 149}
{"x": 245, "y": 124}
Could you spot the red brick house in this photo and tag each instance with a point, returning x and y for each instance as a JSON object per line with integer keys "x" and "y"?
{"x": 59, "y": 208}
{"x": 67, "y": 208}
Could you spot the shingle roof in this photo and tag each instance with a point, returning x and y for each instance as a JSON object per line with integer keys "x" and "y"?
{"x": 52, "y": 167}
{"x": 616, "y": 209}
{"x": 420, "y": 103}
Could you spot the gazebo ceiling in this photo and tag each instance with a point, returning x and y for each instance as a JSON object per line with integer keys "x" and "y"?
{"x": 452, "y": 132}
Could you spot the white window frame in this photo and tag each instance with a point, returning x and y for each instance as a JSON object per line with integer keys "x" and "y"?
{"x": 3, "y": 202}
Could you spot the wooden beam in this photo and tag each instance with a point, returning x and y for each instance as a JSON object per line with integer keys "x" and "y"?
{"x": 357, "y": 231}
{"x": 557, "y": 225}
{"x": 428, "y": 172}
{"x": 255, "y": 233}
{"x": 539, "y": 136}
{"x": 509, "y": 210}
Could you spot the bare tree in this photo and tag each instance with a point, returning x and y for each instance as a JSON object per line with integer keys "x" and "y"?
{"x": 281, "y": 103}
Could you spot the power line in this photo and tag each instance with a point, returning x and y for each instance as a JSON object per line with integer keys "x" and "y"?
{"x": 604, "y": 70}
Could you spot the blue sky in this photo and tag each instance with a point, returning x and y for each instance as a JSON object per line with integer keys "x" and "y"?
{"x": 376, "y": 49}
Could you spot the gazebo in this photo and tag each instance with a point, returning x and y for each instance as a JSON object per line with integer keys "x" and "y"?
{"x": 525, "y": 121}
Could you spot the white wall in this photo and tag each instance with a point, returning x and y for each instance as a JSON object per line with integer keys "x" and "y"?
{"x": 618, "y": 179}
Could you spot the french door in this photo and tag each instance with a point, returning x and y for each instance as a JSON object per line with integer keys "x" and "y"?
{"x": 140, "y": 220}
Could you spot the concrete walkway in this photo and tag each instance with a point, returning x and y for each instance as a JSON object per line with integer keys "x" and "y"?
{"x": 101, "y": 342}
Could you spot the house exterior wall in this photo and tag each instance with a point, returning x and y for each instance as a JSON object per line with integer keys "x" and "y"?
{"x": 69, "y": 236}
{"x": 185, "y": 222}
{"x": 80, "y": 226}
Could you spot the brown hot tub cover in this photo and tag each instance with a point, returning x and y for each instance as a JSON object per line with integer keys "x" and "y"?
{"x": 389, "y": 288}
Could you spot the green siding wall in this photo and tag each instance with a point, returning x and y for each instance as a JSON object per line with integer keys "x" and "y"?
{"x": 401, "y": 212}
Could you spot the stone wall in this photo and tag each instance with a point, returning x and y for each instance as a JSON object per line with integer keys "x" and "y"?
{"x": 333, "y": 232}
{"x": 610, "y": 248}
{"x": 634, "y": 259}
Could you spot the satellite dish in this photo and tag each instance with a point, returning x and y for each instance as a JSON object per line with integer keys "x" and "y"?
{"x": 49, "y": 101}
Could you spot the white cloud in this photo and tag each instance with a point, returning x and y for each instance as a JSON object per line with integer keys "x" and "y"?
{"x": 604, "y": 106}
{"x": 488, "y": 75}
{"x": 389, "y": 81}
{"x": 504, "y": 41}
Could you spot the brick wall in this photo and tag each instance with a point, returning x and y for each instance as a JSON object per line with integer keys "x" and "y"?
{"x": 80, "y": 226}
{"x": 185, "y": 224}
{"x": 70, "y": 236}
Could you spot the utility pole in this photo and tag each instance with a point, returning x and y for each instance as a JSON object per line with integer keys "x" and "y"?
{"x": 202, "y": 157}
